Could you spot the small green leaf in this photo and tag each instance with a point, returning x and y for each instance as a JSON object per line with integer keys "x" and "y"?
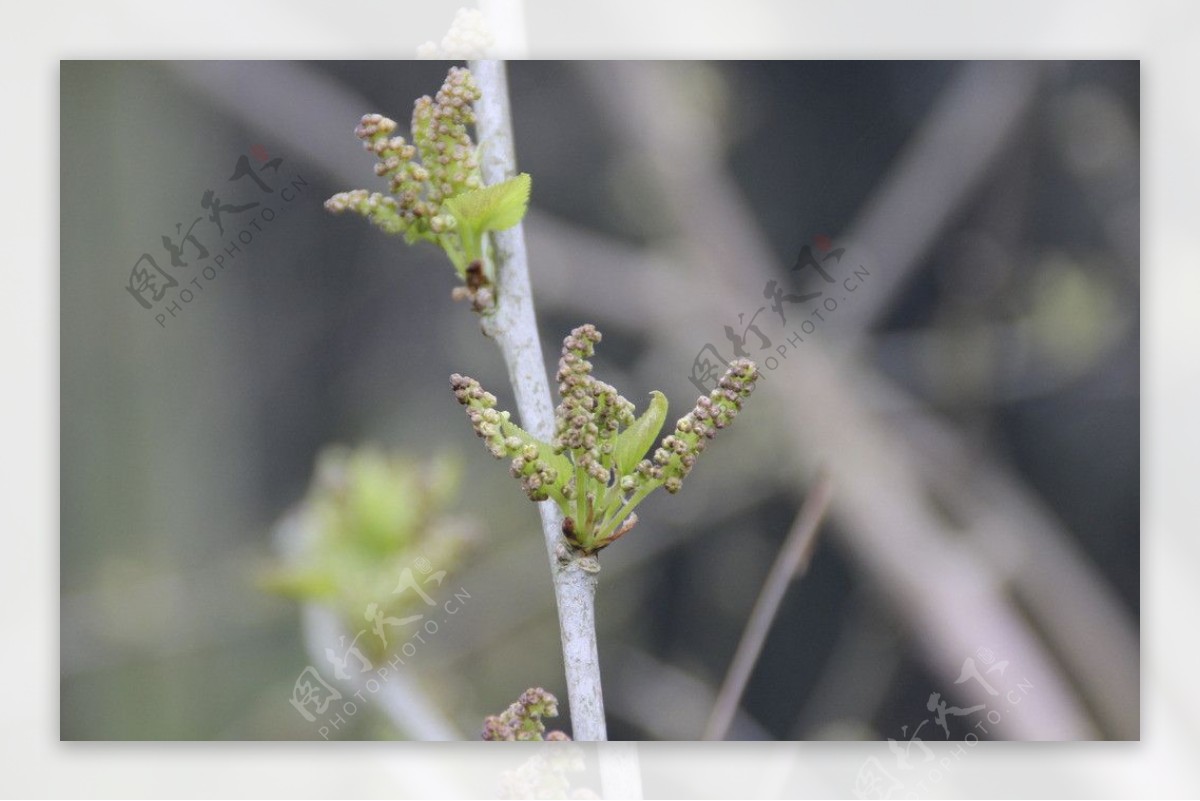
{"x": 491, "y": 208}
{"x": 634, "y": 441}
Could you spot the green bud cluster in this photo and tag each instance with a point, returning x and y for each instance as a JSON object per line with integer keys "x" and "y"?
{"x": 531, "y": 459}
{"x": 448, "y": 163}
{"x": 674, "y": 459}
{"x": 591, "y": 412}
{"x": 598, "y": 466}
{"x": 523, "y": 719}
{"x": 435, "y": 189}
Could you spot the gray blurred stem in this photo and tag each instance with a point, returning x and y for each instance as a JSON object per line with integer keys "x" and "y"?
{"x": 400, "y": 697}
{"x": 791, "y": 563}
{"x": 514, "y": 328}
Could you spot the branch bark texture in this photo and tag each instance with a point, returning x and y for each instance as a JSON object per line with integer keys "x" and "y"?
{"x": 514, "y": 328}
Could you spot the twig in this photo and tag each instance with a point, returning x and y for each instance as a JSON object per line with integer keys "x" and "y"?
{"x": 514, "y": 328}
{"x": 792, "y": 562}
{"x": 400, "y": 697}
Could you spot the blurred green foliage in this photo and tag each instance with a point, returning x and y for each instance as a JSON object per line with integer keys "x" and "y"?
{"x": 368, "y": 518}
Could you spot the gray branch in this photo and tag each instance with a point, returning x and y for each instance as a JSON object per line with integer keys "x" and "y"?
{"x": 514, "y": 327}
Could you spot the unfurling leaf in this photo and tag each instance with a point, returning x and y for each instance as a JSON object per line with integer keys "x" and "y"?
{"x": 635, "y": 441}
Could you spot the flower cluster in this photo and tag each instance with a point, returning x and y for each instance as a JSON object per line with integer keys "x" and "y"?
{"x": 523, "y": 718}
{"x": 448, "y": 164}
{"x": 435, "y": 189}
{"x": 591, "y": 412}
{"x": 598, "y": 467}
{"x": 531, "y": 459}
{"x": 675, "y": 458}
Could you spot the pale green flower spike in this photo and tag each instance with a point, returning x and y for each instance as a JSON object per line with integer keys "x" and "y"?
{"x": 436, "y": 193}
{"x": 595, "y": 468}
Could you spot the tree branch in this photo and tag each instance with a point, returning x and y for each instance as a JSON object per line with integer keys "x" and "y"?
{"x": 514, "y": 327}
{"x": 791, "y": 563}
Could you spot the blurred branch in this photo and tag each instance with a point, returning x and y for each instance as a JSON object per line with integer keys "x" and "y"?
{"x": 792, "y": 563}
{"x": 276, "y": 99}
{"x": 1081, "y": 616}
{"x": 400, "y": 697}
{"x": 977, "y": 117}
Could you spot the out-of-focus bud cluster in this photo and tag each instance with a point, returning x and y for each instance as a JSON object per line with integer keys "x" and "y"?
{"x": 548, "y": 773}
{"x": 371, "y": 522}
{"x": 468, "y": 37}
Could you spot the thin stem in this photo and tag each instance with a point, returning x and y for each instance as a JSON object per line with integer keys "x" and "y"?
{"x": 612, "y": 497}
{"x": 791, "y": 563}
{"x": 580, "y": 491}
{"x": 514, "y": 327}
{"x": 611, "y": 524}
